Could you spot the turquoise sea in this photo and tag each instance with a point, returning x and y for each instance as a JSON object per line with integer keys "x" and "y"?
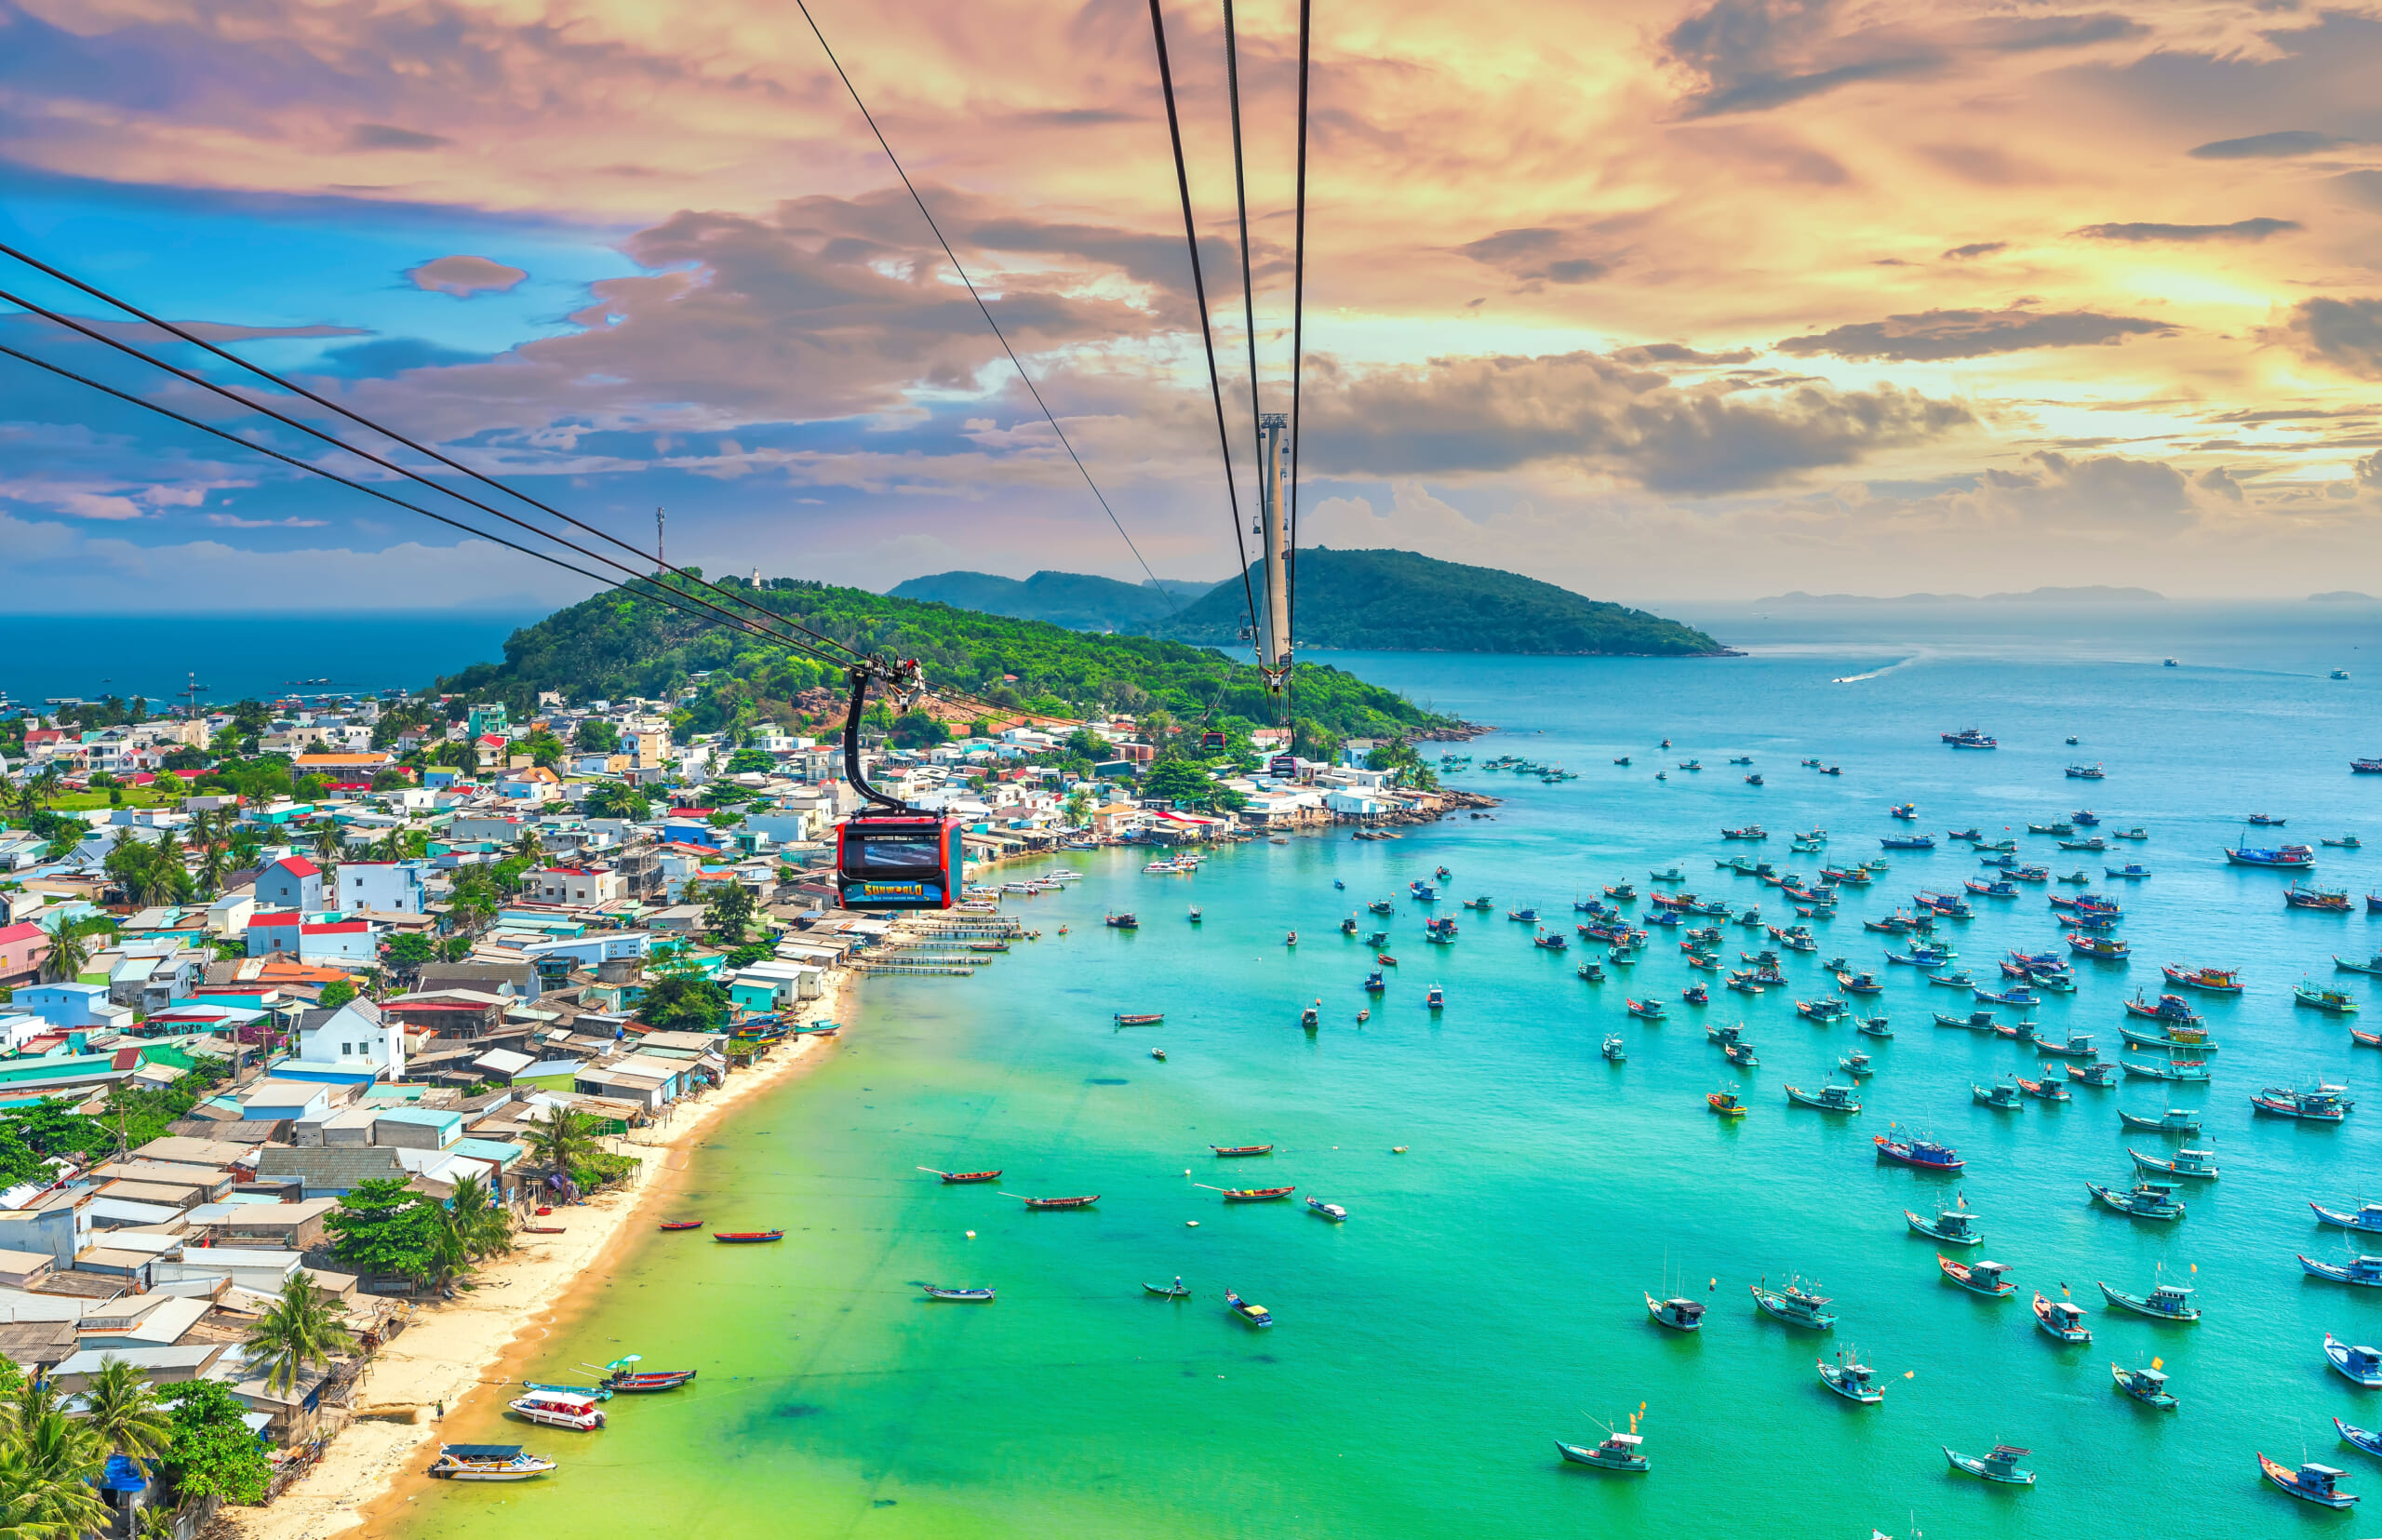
{"x": 1484, "y": 1297}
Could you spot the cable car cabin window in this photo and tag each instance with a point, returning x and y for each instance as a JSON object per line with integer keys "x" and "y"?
{"x": 897, "y": 863}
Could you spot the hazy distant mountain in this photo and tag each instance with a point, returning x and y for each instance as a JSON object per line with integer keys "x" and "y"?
{"x": 1403, "y": 601}
{"x": 2096, "y": 594}
{"x": 1077, "y": 600}
{"x": 2342, "y": 595}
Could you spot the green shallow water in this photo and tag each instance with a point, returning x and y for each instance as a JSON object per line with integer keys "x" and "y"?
{"x": 1484, "y": 1297}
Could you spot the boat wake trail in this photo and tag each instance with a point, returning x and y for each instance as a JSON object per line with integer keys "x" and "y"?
{"x": 1875, "y": 673}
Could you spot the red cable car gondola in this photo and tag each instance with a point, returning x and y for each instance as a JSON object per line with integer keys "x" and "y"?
{"x": 891, "y": 855}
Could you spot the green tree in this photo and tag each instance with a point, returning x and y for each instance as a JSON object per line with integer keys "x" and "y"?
{"x": 212, "y": 1453}
{"x": 728, "y": 910}
{"x": 563, "y": 1142}
{"x": 543, "y": 748}
{"x": 477, "y": 1225}
{"x": 750, "y": 762}
{"x": 613, "y": 800}
{"x": 336, "y": 994}
{"x": 1178, "y": 780}
{"x": 918, "y": 729}
{"x": 49, "y": 1467}
{"x": 683, "y": 1002}
{"x": 597, "y": 736}
{"x": 121, "y": 1407}
{"x": 384, "y": 1229}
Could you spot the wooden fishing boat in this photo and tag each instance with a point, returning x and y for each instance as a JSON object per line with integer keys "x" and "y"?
{"x": 747, "y": 1237}
{"x": 2311, "y": 1482}
{"x": 2147, "y": 1385}
{"x": 2365, "y": 1270}
{"x": 1828, "y": 1098}
{"x": 487, "y": 1463}
{"x": 2330, "y": 900}
{"x": 967, "y": 1296}
{"x": 1619, "y": 1452}
{"x": 2323, "y": 1105}
{"x": 1952, "y": 1227}
{"x": 2002, "y": 1097}
{"x": 1795, "y": 1305}
{"x": 2181, "y": 1069}
{"x": 1140, "y": 1018}
{"x": 1255, "y": 1315}
{"x": 2100, "y": 1076}
{"x": 1823, "y": 1011}
{"x": 1858, "y": 1065}
{"x": 1085, "y": 1203}
{"x": 1680, "y": 1312}
{"x": 1851, "y": 1379}
{"x": 1741, "y": 1055}
{"x": 2176, "y": 1121}
{"x": 1978, "y": 1278}
{"x": 649, "y": 1381}
{"x": 682, "y": 1225}
{"x": 1235, "y": 1151}
{"x": 2002, "y": 1465}
{"x": 2358, "y": 1365}
{"x": 1859, "y": 984}
{"x": 1875, "y": 1026}
{"x": 1975, "y": 1021}
{"x": 2181, "y": 1040}
{"x": 2061, "y": 1319}
{"x": 1649, "y": 1010}
{"x": 2195, "y": 1163}
{"x": 2108, "y": 948}
{"x": 2365, "y": 1439}
{"x": 963, "y": 1178}
{"x": 1726, "y": 1102}
{"x": 2165, "y": 1302}
{"x": 1176, "y": 1290}
{"x": 1256, "y": 1195}
{"x": 2044, "y": 1090}
{"x": 2143, "y": 1201}
{"x": 2078, "y": 1045}
{"x": 2333, "y": 1002}
{"x": 1918, "y": 1151}
{"x": 2368, "y": 1217}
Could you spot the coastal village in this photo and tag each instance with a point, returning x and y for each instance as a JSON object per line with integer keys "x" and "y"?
{"x": 329, "y": 1019}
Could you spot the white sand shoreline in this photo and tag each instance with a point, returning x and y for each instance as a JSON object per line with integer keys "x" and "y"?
{"x": 447, "y": 1355}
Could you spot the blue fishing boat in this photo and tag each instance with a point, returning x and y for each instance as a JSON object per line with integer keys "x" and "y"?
{"x": 2181, "y": 1121}
{"x": 2164, "y": 1302}
{"x": 1859, "y": 984}
{"x": 2240, "y": 855}
{"x": 2133, "y": 871}
{"x": 1828, "y": 1098}
{"x": 1909, "y": 842}
{"x": 2002, "y": 1465}
{"x": 1851, "y": 1379}
{"x": 1795, "y": 1305}
{"x": 2143, "y": 1201}
{"x": 1954, "y": 1227}
{"x": 2147, "y": 1385}
{"x": 1875, "y": 1027}
{"x": 2365, "y": 1439}
{"x": 2016, "y": 994}
{"x": 1650, "y": 1009}
{"x": 1823, "y": 1011}
{"x": 1918, "y": 1151}
{"x": 2199, "y": 1164}
{"x": 2311, "y": 1483}
{"x": 2358, "y": 1365}
{"x": 2368, "y": 1217}
{"x": 2000, "y": 1096}
{"x": 2366, "y": 1270}
{"x": 2061, "y": 1319}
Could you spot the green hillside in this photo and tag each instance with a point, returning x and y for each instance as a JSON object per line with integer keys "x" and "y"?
{"x": 1076, "y": 600}
{"x": 624, "y": 642}
{"x": 1401, "y": 601}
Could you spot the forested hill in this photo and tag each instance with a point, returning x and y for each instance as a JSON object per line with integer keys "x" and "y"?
{"x": 624, "y": 642}
{"x": 1078, "y": 600}
{"x": 1402, "y": 601}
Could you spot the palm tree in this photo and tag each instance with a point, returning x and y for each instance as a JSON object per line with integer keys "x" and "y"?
{"x": 528, "y": 847}
{"x": 296, "y": 1332}
{"x": 48, "y": 1465}
{"x": 326, "y": 840}
{"x": 67, "y": 954}
{"x": 212, "y": 864}
{"x": 121, "y": 1407}
{"x": 563, "y": 1140}
{"x": 481, "y": 1227}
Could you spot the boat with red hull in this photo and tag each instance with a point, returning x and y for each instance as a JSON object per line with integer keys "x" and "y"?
{"x": 1925, "y": 1154}
{"x": 747, "y": 1237}
{"x": 962, "y": 1178}
{"x": 682, "y": 1223}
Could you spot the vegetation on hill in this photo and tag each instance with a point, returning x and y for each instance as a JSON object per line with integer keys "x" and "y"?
{"x": 1076, "y": 600}
{"x": 624, "y": 642}
{"x": 1401, "y": 601}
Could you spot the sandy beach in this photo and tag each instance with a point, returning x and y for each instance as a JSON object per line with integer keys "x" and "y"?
{"x": 466, "y": 1346}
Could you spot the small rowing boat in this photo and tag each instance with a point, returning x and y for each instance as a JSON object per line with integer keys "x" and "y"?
{"x": 1228, "y": 1152}
{"x": 1176, "y": 1290}
{"x": 1056, "y": 1202}
{"x": 963, "y": 1296}
{"x": 962, "y": 1178}
{"x": 747, "y": 1237}
{"x": 1255, "y": 1315}
{"x": 1140, "y": 1018}
{"x": 682, "y": 1225}
{"x": 1256, "y": 1195}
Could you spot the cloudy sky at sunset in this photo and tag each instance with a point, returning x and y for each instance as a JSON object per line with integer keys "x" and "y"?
{"x": 1657, "y": 299}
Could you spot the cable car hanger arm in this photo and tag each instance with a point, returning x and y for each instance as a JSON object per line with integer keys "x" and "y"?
{"x": 908, "y": 684}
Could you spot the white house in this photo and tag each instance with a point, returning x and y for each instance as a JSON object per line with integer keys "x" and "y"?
{"x": 355, "y": 1037}
{"x": 391, "y": 886}
{"x": 578, "y": 884}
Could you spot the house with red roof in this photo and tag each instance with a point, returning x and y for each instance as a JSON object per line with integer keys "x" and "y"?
{"x": 293, "y": 882}
{"x": 23, "y": 948}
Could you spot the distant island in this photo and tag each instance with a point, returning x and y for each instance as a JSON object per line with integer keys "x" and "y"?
{"x": 1078, "y": 600}
{"x": 2096, "y": 594}
{"x": 2342, "y": 595}
{"x": 1386, "y": 601}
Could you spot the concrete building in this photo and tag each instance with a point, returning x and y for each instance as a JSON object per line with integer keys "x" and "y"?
{"x": 390, "y": 887}
{"x": 355, "y": 1039}
{"x": 293, "y": 882}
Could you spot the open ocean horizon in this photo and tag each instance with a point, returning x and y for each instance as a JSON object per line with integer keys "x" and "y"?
{"x": 1483, "y": 1299}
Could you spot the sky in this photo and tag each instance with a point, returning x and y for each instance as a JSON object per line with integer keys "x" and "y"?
{"x": 1657, "y": 300}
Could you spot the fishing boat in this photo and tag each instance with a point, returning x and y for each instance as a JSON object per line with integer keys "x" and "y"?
{"x": 570, "y": 1409}
{"x": 1907, "y": 811}
{"x": 1256, "y": 1195}
{"x": 2311, "y": 1482}
{"x": 1485, "y": 903}
{"x": 1749, "y": 831}
{"x": 2366, "y": 1217}
{"x": 2108, "y": 948}
{"x": 1954, "y": 978}
{"x": 981, "y": 1296}
{"x": 1619, "y": 1452}
{"x": 2358, "y": 1365}
{"x": 1857, "y": 1064}
{"x": 2370, "y": 966}
{"x": 2365, "y": 1439}
{"x": 1991, "y": 890}
{"x": 1322, "y": 1210}
{"x": 1875, "y": 1027}
{"x": 2095, "y": 844}
{"x": 2099, "y": 1076}
{"x": 2086, "y": 772}
{"x": 1727, "y": 1103}
{"x": 646, "y": 1381}
{"x": 1679, "y": 1313}
{"x": 1255, "y": 1315}
{"x": 2147, "y": 1385}
{"x": 682, "y": 1225}
{"x": 2365, "y": 1040}
{"x": 1824, "y": 1011}
{"x": 2211, "y": 981}
{"x": 1649, "y": 1009}
{"x": 2240, "y": 853}
{"x": 961, "y": 1178}
{"x": 1918, "y": 1151}
{"x": 1828, "y": 1098}
{"x": 2366, "y": 1270}
{"x": 2075, "y": 1045}
{"x": 487, "y": 1463}
{"x": 1122, "y": 922}
{"x": 2175, "y": 1070}
{"x": 2181, "y": 1040}
{"x": 1236, "y": 1152}
{"x": 1741, "y": 1055}
{"x": 2199, "y": 1164}
{"x": 1373, "y": 984}
{"x": 2330, "y": 900}
{"x": 1908, "y": 842}
{"x": 2143, "y": 1201}
{"x": 1795, "y": 1305}
{"x": 2323, "y": 1105}
{"x": 1176, "y": 1290}
{"x": 2345, "y": 842}
{"x": 2018, "y": 996}
{"x": 2001, "y": 1464}
{"x": 2060, "y": 1318}
{"x": 1978, "y": 1278}
{"x": 2000, "y": 1095}
{"x": 1954, "y": 1227}
{"x": 2165, "y": 1302}
{"x": 2333, "y": 1002}
{"x": 2044, "y": 1090}
{"x": 1859, "y": 984}
{"x": 1311, "y": 1018}
{"x": 2137, "y": 832}
{"x": 747, "y": 1237}
{"x": 1084, "y": 1202}
{"x": 1851, "y": 1379}
{"x": 2017, "y": 1032}
{"x": 1552, "y": 941}
{"x": 1140, "y": 1018}
{"x": 1615, "y": 1050}
{"x": 1975, "y": 1021}
{"x": 1159, "y": 1053}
